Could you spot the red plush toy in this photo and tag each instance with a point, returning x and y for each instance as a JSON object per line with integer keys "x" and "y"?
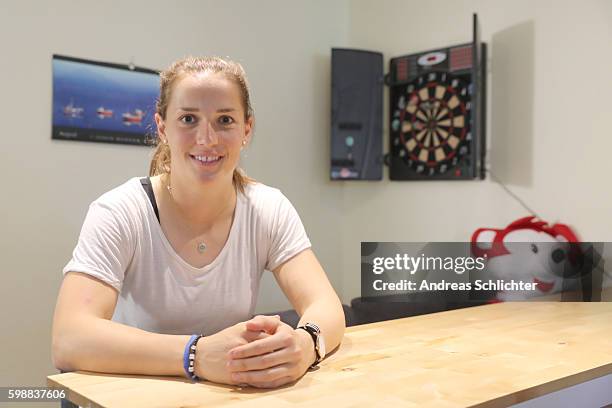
{"x": 530, "y": 250}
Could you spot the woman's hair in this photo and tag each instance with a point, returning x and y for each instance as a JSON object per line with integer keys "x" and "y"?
{"x": 160, "y": 163}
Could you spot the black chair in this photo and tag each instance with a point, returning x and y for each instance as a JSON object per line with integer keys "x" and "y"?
{"x": 389, "y": 307}
{"x": 67, "y": 404}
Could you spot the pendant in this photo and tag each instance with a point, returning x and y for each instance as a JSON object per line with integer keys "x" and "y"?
{"x": 201, "y": 247}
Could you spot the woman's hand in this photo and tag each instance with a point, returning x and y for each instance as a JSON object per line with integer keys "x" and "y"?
{"x": 281, "y": 357}
{"x": 212, "y": 351}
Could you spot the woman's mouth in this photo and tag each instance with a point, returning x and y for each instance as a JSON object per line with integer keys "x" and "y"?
{"x": 206, "y": 161}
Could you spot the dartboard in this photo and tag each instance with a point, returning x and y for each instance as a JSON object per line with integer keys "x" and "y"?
{"x": 430, "y": 127}
{"x": 437, "y": 115}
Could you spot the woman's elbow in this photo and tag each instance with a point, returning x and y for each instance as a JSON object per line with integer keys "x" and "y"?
{"x": 68, "y": 340}
{"x": 341, "y": 323}
{"x": 59, "y": 354}
{"x": 341, "y": 312}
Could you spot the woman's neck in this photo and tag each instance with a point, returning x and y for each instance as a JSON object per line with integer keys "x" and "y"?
{"x": 200, "y": 206}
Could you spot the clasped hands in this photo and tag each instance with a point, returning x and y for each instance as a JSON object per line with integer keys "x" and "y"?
{"x": 263, "y": 352}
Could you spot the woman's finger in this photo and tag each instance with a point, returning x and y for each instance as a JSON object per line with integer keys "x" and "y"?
{"x": 268, "y": 324}
{"x": 251, "y": 336}
{"x": 269, "y": 344}
{"x": 285, "y": 355}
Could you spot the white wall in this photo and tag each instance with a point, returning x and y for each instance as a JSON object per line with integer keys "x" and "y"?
{"x": 47, "y": 185}
{"x": 549, "y": 93}
{"x": 550, "y": 86}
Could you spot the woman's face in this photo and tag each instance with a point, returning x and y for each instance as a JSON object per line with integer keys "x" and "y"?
{"x": 205, "y": 128}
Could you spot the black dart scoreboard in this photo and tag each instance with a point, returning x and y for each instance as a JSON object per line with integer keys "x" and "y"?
{"x": 436, "y": 113}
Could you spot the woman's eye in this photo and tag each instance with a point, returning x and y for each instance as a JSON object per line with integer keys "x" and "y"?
{"x": 226, "y": 120}
{"x": 188, "y": 119}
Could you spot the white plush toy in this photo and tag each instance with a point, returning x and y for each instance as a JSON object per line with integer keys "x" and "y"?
{"x": 530, "y": 251}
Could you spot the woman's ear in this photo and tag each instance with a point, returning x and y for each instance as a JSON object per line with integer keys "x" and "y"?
{"x": 161, "y": 128}
{"x": 248, "y": 130}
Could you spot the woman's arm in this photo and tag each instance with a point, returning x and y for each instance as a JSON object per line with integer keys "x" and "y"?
{"x": 287, "y": 353}
{"x": 84, "y": 338}
{"x": 305, "y": 284}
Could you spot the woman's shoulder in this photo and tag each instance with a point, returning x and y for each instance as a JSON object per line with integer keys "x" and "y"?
{"x": 124, "y": 197}
{"x": 257, "y": 188}
{"x": 261, "y": 195}
{"x": 118, "y": 210}
{"x": 267, "y": 202}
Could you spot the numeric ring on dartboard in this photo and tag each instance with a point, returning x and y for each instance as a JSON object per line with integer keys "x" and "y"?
{"x": 432, "y": 123}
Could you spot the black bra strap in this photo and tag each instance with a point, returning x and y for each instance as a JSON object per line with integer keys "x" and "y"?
{"x": 148, "y": 188}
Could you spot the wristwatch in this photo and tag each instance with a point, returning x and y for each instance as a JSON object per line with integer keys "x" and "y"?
{"x": 319, "y": 342}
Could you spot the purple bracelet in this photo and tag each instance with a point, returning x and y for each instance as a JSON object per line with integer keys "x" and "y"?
{"x": 189, "y": 356}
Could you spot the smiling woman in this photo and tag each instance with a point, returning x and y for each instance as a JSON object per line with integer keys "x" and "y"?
{"x": 165, "y": 275}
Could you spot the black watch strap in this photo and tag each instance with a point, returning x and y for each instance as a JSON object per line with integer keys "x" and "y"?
{"x": 314, "y": 333}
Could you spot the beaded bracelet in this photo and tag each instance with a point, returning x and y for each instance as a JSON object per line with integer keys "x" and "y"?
{"x": 189, "y": 356}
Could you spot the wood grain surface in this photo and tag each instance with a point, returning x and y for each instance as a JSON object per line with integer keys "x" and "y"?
{"x": 486, "y": 356}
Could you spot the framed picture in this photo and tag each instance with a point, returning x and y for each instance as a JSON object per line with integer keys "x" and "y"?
{"x": 103, "y": 102}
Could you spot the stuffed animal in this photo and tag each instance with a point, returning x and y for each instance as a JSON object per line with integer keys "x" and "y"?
{"x": 548, "y": 257}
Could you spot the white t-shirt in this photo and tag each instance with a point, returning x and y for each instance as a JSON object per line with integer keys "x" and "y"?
{"x": 122, "y": 243}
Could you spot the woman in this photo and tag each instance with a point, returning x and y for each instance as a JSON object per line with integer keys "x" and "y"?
{"x": 163, "y": 260}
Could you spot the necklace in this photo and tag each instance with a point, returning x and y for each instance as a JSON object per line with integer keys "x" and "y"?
{"x": 201, "y": 247}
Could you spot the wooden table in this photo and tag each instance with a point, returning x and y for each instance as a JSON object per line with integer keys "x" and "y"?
{"x": 486, "y": 356}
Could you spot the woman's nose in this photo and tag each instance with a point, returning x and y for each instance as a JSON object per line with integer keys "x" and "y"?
{"x": 206, "y": 134}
